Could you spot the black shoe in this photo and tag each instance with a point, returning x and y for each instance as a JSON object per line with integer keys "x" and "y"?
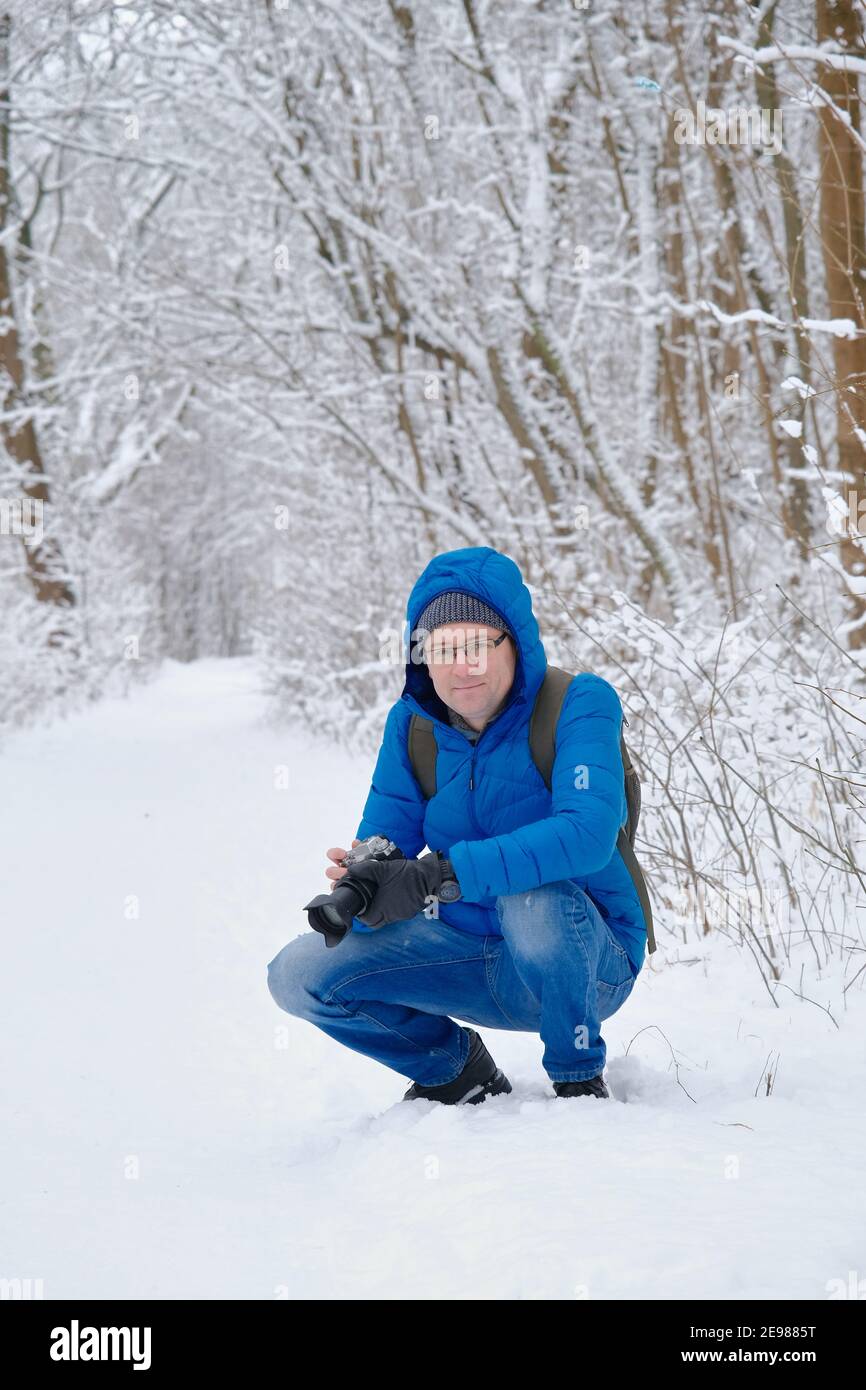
{"x": 592, "y": 1086}
{"x": 479, "y": 1078}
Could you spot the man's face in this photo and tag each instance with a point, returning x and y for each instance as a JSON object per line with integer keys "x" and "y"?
{"x": 468, "y": 673}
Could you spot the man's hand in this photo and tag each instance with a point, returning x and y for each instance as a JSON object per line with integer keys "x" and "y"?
{"x": 336, "y": 855}
{"x": 403, "y": 886}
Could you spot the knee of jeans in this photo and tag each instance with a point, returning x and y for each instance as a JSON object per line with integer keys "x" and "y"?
{"x": 287, "y": 982}
{"x": 534, "y": 922}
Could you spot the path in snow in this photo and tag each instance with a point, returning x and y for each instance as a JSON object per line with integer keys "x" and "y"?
{"x": 170, "y": 1133}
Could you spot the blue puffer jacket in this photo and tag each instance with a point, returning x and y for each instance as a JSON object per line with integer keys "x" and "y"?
{"x": 492, "y": 814}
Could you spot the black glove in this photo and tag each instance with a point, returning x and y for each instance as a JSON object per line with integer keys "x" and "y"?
{"x": 404, "y": 886}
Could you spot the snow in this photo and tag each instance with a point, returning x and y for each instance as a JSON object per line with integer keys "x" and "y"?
{"x": 796, "y": 383}
{"x": 840, "y": 328}
{"x": 796, "y": 52}
{"x": 275, "y": 1164}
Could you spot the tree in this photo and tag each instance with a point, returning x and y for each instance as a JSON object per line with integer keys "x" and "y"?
{"x": 843, "y": 243}
{"x": 47, "y": 572}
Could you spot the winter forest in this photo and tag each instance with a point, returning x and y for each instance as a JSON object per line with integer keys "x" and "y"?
{"x": 298, "y": 294}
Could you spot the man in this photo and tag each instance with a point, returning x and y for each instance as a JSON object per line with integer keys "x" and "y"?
{"x": 523, "y": 915}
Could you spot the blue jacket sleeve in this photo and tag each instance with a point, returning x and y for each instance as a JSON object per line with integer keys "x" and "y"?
{"x": 395, "y": 805}
{"x": 587, "y": 798}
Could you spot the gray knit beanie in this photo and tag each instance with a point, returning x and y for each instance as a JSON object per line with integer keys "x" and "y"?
{"x": 454, "y": 608}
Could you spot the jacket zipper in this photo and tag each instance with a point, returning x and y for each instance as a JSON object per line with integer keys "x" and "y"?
{"x": 472, "y": 788}
{"x": 519, "y": 698}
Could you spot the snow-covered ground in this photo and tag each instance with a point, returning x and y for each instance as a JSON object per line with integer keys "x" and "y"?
{"x": 169, "y": 1132}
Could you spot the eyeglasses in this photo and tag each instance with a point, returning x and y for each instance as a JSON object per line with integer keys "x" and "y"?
{"x": 476, "y": 648}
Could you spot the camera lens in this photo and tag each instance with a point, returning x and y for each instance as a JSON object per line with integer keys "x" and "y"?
{"x": 332, "y": 914}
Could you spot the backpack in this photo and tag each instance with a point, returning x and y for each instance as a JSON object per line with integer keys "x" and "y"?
{"x": 542, "y": 743}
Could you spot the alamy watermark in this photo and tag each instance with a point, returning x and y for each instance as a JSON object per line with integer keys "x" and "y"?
{"x": 739, "y": 125}
{"x": 17, "y": 1289}
{"x": 842, "y": 521}
{"x": 23, "y": 516}
{"x": 77, "y": 1343}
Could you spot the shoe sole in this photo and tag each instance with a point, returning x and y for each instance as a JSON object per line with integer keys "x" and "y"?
{"x": 497, "y": 1084}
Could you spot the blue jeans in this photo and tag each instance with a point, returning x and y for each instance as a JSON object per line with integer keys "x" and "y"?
{"x": 556, "y": 970}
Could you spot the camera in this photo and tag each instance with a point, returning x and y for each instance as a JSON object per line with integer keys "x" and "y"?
{"x": 332, "y": 913}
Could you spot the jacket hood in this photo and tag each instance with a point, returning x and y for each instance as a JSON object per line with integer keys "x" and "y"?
{"x": 494, "y": 577}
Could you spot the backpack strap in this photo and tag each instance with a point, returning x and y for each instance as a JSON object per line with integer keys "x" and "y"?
{"x": 624, "y": 845}
{"x": 542, "y": 744}
{"x": 422, "y": 753}
{"x": 632, "y": 789}
{"x": 545, "y": 716}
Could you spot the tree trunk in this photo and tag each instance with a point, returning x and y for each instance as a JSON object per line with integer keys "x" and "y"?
{"x": 44, "y": 560}
{"x": 844, "y": 251}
